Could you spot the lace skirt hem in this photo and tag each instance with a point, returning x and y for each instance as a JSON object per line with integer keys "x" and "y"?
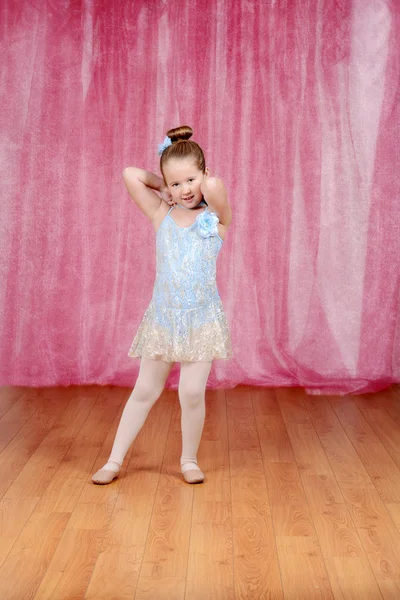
{"x": 173, "y": 336}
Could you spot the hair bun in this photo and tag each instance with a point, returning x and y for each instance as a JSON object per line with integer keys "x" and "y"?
{"x": 184, "y": 132}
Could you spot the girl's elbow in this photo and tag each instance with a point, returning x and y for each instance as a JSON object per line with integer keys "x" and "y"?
{"x": 127, "y": 170}
{"x": 130, "y": 174}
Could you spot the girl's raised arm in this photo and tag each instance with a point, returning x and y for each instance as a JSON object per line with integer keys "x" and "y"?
{"x": 140, "y": 185}
{"x": 214, "y": 192}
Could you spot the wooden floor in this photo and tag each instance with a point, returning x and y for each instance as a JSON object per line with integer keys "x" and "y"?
{"x": 301, "y": 500}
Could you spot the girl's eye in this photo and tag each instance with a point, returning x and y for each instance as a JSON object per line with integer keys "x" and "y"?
{"x": 191, "y": 179}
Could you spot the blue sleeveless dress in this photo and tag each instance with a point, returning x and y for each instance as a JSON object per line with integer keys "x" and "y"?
{"x": 185, "y": 320}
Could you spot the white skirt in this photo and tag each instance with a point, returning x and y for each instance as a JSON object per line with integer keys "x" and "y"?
{"x": 196, "y": 334}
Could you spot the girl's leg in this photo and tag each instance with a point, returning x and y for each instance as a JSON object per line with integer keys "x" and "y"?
{"x": 150, "y": 383}
{"x": 192, "y": 389}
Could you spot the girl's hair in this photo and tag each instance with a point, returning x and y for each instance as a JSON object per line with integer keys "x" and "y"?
{"x": 183, "y": 147}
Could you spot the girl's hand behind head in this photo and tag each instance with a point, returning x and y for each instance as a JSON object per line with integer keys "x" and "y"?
{"x": 166, "y": 196}
{"x": 209, "y": 184}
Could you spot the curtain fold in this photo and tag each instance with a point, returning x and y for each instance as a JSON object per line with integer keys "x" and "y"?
{"x": 296, "y": 105}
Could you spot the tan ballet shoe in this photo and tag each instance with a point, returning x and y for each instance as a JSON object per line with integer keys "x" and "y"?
{"x": 104, "y": 476}
{"x": 191, "y": 475}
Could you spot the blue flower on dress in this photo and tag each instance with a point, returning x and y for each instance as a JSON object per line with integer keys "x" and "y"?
{"x": 161, "y": 147}
{"x": 207, "y": 224}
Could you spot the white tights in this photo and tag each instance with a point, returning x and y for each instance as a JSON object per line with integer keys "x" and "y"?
{"x": 150, "y": 383}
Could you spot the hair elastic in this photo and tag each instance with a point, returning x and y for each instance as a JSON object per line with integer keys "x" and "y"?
{"x": 161, "y": 147}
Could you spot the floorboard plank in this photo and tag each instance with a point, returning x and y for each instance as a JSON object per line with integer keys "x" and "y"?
{"x": 369, "y": 514}
{"x": 21, "y": 498}
{"x": 120, "y": 559}
{"x": 256, "y": 566}
{"x": 165, "y": 560}
{"x": 25, "y": 426}
{"x": 381, "y": 468}
{"x": 210, "y": 564}
{"x": 335, "y": 529}
{"x": 386, "y": 428}
{"x": 34, "y": 550}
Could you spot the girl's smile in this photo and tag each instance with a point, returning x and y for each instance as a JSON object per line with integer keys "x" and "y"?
{"x": 184, "y": 179}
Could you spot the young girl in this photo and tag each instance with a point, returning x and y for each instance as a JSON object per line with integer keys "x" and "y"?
{"x": 185, "y": 320}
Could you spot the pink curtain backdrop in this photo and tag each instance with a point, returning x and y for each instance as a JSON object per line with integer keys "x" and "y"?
{"x": 296, "y": 105}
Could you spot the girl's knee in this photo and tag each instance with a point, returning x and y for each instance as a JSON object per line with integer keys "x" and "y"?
{"x": 191, "y": 396}
{"x": 146, "y": 391}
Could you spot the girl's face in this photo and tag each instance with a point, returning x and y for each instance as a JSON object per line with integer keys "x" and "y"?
{"x": 184, "y": 178}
